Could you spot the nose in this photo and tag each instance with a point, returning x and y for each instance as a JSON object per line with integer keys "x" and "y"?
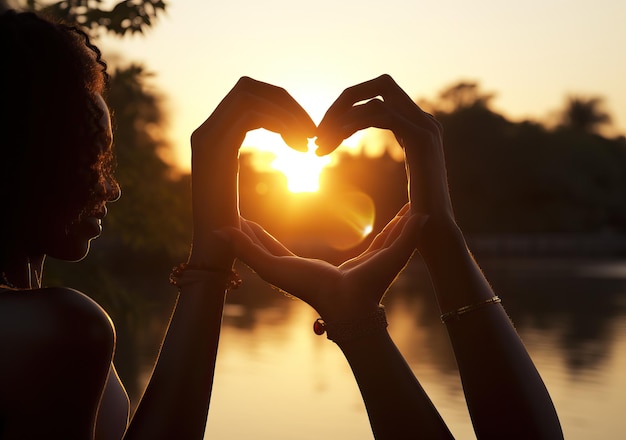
{"x": 110, "y": 190}
{"x": 113, "y": 191}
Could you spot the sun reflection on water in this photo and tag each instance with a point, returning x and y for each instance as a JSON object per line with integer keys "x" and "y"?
{"x": 288, "y": 383}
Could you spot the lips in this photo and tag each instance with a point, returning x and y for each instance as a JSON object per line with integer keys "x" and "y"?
{"x": 99, "y": 212}
{"x": 93, "y": 226}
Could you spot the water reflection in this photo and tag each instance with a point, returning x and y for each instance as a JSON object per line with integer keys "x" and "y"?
{"x": 276, "y": 380}
{"x": 573, "y": 301}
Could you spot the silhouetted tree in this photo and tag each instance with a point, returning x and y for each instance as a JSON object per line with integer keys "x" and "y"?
{"x": 584, "y": 115}
{"x": 127, "y": 16}
{"x": 519, "y": 177}
{"x": 462, "y": 95}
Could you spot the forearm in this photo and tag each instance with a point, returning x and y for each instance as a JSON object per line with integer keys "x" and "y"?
{"x": 505, "y": 394}
{"x": 397, "y": 406}
{"x": 176, "y": 401}
{"x": 215, "y": 205}
{"x": 214, "y": 189}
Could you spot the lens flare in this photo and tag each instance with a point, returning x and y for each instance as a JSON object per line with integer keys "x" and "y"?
{"x": 353, "y": 215}
{"x": 367, "y": 230}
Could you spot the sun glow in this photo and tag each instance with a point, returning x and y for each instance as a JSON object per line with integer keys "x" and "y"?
{"x": 301, "y": 169}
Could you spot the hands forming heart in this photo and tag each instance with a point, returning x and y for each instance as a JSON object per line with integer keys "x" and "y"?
{"x": 497, "y": 374}
{"x": 357, "y": 286}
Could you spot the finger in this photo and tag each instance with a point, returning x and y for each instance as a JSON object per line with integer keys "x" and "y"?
{"x": 280, "y": 96}
{"x": 382, "y": 240}
{"x": 396, "y": 223}
{"x": 246, "y": 229}
{"x": 254, "y": 104}
{"x": 416, "y": 131}
{"x": 383, "y": 86}
{"x": 383, "y": 235}
{"x": 404, "y": 209}
{"x": 248, "y": 249}
{"x": 434, "y": 120}
{"x": 265, "y": 239}
{"x": 301, "y": 277}
{"x": 243, "y": 113}
{"x": 383, "y": 266}
{"x": 251, "y": 112}
{"x": 303, "y": 124}
{"x": 398, "y": 112}
{"x": 370, "y": 114}
{"x": 396, "y": 229}
{"x": 374, "y": 113}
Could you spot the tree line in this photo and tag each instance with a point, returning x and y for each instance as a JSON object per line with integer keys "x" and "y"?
{"x": 514, "y": 177}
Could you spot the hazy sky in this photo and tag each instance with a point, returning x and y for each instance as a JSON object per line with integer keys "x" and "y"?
{"x": 531, "y": 54}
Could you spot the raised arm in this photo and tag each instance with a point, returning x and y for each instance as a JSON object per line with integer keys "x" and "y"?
{"x": 176, "y": 401}
{"x": 505, "y": 394}
{"x": 348, "y": 299}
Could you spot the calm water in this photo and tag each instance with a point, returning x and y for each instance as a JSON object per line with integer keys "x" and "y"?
{"x": 275, "y": 379}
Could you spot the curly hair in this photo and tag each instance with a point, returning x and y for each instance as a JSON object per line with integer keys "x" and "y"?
{"x": 50, "y": 136}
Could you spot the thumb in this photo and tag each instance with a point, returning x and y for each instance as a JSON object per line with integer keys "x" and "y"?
{"x": 242, "y": 244}
{"x": 382, "y": 268}
{"x": 290, "y": 273}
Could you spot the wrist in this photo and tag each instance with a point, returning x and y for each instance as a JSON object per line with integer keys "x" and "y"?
{"x": 211, "y": 252}
{"x": 345, "y": 331}
{"x": 438, "y": 237}
{"x": 214, "y": 167}
{"x": 211, "y": 144}
{"x": 221, "y": 261}
{"x": 186, "y": 275}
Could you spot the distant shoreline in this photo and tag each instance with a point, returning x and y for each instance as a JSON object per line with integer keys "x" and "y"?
{"x": 557, "y": 245}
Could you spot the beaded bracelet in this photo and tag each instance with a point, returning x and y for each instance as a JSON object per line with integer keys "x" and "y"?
{"x": 456, "y": 314}
{"x": 344, "y": 331}
{"x": 184, "y": 274}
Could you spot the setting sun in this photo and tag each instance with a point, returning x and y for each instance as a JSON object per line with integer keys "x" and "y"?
{"x": 301, "y": 169}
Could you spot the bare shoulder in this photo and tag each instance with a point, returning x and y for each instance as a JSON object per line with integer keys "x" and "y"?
{"x": 57, "y": 345}
{"x": 51, "y": 313}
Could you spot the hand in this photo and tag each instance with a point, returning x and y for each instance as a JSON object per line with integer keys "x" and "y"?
{"x": 339, "y": 293}
{"x": 215, "y": 146}
{"x": 387, "y": 106}
{"x": 248, "y": 106}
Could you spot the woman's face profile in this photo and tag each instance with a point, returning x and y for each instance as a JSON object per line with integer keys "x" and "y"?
{"x": 70, "y": 242}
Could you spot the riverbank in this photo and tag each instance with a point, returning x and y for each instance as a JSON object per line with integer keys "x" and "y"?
{"x": 556, "y": 245}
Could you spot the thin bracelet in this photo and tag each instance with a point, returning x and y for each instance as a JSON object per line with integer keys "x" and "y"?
{"x": 466, "y": 309}
{"x": 184, "y": 274}
{"x": 344, "y": 331}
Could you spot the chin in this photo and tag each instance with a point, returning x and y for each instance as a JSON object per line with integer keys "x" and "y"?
{"x": 71, "y": 243}
{"x": 71, "y": 251}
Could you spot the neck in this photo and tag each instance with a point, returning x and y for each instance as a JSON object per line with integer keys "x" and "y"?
{"x": 23, "y": 273}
